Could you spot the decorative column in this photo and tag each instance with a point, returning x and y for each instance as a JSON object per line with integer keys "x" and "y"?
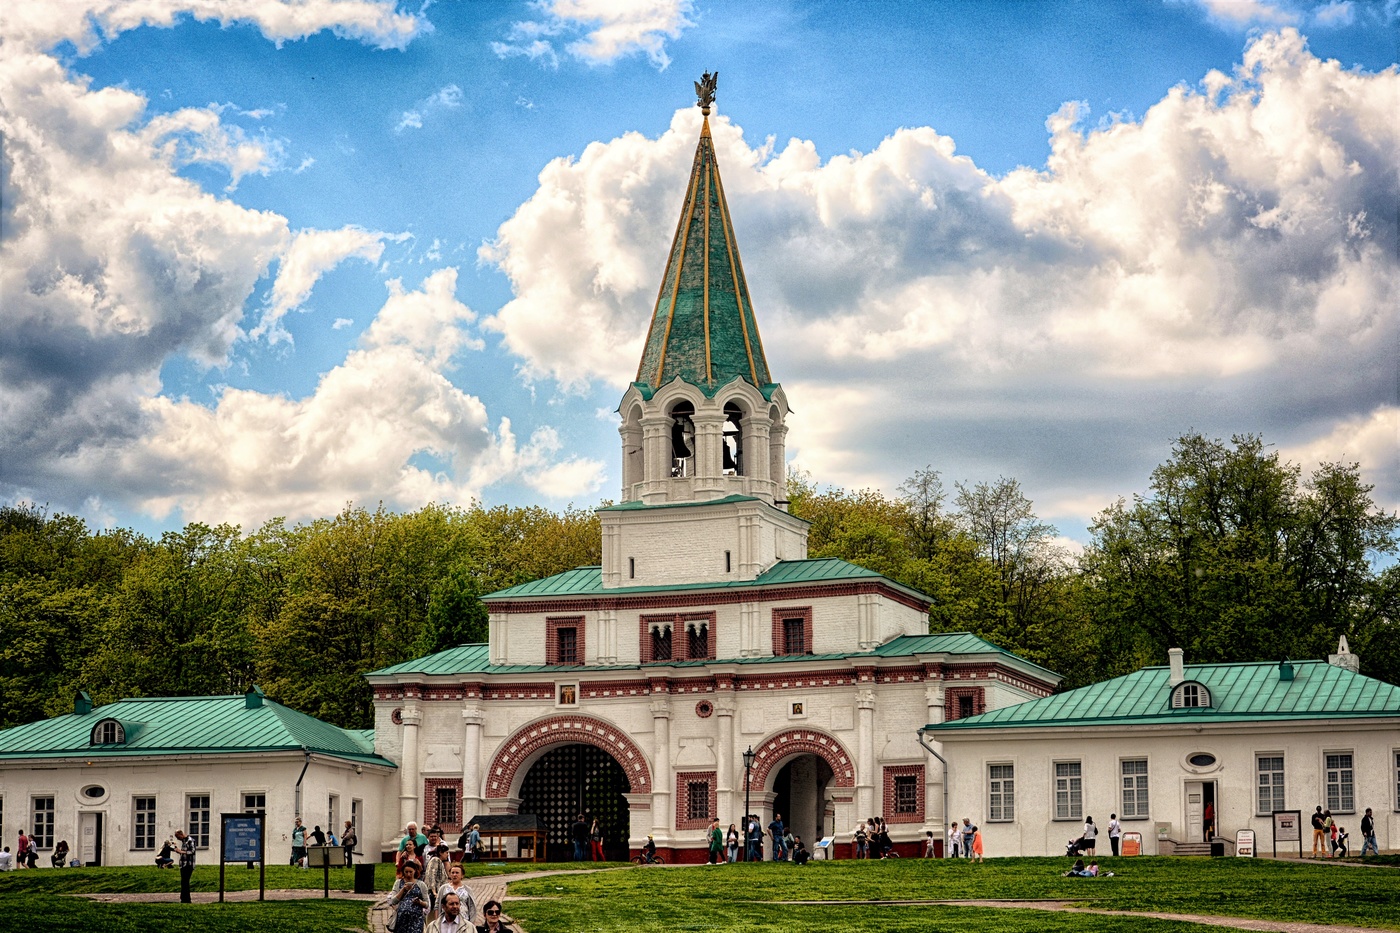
{"x": 473, "y": 718}
{"x": 725, "y": 707}
{"x": 750, "y": 642}
{"x": 934, "y": 778}
{"x": 709, "y": 461}
{"x": 865, "y": 748}
{"x": 409, "y": 783}
{"x": 777, "y": 462}
{"x": 756, "y": 460}
{"x": 607, "y": 636}
{"x": 661, "y": 776}
{"x": 656, "y": 456}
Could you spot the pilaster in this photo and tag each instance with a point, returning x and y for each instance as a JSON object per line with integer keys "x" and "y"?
{"x": 409, "y": 769}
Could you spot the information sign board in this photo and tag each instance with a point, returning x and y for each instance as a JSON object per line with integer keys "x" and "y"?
{"x": 1132, "y": 843}
{"x": 242, "y": 839}
{"x": 1288, "y": 827}
{"x": 1244, "y": 843}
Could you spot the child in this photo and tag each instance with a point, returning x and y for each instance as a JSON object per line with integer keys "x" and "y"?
{"x": 1341, "y": 844}
{"x": 928, "y": 844}
{"x": 977, "y": 845}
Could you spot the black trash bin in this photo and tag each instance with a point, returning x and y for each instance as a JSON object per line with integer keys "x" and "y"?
{"x": 1217, "y": 850}
{"x": 364, "y": 878}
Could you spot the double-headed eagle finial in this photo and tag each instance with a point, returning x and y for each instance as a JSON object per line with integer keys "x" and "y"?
{"x": 705, "y": 91}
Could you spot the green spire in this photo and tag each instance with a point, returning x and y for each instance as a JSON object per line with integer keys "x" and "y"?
{"x": 703, "y": 327}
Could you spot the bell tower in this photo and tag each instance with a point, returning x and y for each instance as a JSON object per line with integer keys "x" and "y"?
{"x": 703, "y": 424}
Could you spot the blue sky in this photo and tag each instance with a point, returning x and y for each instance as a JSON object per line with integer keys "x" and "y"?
{"x": 263, "y": 264}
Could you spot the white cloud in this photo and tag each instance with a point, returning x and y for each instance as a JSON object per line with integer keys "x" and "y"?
{"x": 445, "y": 98}
{"x": 87, "y": 23}
{"x": 342, "y": 322}
{"x": 1371, "y": 439}
{"x": 312, "y": 254}
{"x": 606, "y": 30}
{"x": 1242, "y": 13}
{"x": 1219, "y": 264}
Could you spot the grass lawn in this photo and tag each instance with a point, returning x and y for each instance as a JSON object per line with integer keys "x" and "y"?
{"x": 733, "y": 896}
{"x": 753, "y": 897}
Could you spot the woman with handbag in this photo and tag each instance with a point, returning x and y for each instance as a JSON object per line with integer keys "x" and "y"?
{"x": 408, "y": 902}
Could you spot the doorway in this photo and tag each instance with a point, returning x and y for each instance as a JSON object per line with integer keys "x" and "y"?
{"x": 800, "y": 796}
{"x": 1202, "y": 811}
{"x": 90, "y": 826}
{"x": 573, "y": 779}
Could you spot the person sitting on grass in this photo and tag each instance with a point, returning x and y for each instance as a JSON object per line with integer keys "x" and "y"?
{"x": 1093, "y": 869}
{"x": 7, "y": 861}
{"x": 800, "y": 855}
{"x": 1078, "y": 870}
{"x": 59, "y": 858}
{"x": 163, "y": 859}
{"x": 494, "y": 922}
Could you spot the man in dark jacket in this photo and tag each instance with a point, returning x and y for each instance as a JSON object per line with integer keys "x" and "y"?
{"x": 1368, "y": 834}
{"x": 185, "y": 846}
{"x": 579, "y": 834}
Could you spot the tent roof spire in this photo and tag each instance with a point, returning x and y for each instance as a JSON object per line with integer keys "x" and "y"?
{"x": 703, "y": 327}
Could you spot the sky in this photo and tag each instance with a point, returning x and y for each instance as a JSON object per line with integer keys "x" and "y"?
{"x": 264, "y": 258}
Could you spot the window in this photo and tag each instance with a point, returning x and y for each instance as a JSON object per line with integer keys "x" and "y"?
{"x": 199, "y": 820}
{"x": 631, "y": 568}
{"x": 1270, "y": 770}
{"x": 255, "y": 803}
{"x": 568, "y": 645}
{"x": 42, "y": 834}
{"x": 661, "y": 642}
{"x": 1340, "y": 797}
{"x": 1134, "y": 805}
{"x": 1069, "y": 791}
{"x": 794, "y": 636}
{"x": 965, "y": 706}
{"x": 446, "y": 801}
{"x": 962, "y": 702}
{"x": 1001, "y": 802}
{"x": 1190, "y": 695}
{"x": 143, "y": 822}
{"x": 906, "y": 793}
{"x": 1397, "y": 780}
{"x": 697, "y": 800}
{"x": 697, "y": 640}
{"x": 728, "y": 565}
{"x": 108, "y": 732}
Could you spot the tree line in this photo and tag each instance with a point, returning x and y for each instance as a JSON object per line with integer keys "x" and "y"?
{"x": 1231, "y": 554}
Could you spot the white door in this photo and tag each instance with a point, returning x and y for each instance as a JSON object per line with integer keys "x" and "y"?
{"x": 1195, "y": 810}
{"x": 90, "y": 838}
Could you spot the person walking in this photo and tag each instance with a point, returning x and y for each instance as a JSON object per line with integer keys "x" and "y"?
{"x": 474, "y": 841}
{"x": 298, "y": 844}
{"x": 1115, "y": 832}
{"x": 347, "y": 842}
{"x": 752, "y": 835}
{"x": 494, "y": 922}
{"x": 452, "y": 919}
{"x": 731, "y": 842}
{"x": 1319, "y": 829}
{"x": 1368, "y": 834}
{"x": 595, "y": 836}
{"x": 409, "y": 901}
{"x": 775, "y": 829}
{"x": 22, "y": 849}
{"x": 1329, "y": 834}
{"x": 435, "y": 875}
{"x": 457, "y": 887}
{"x": 976, "y": 844}
{"x": 185, "y": 846}
{"x": 715, "y": 836}
{"x": 930, "y": 845}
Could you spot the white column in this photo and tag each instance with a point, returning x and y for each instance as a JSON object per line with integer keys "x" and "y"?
{"x": 656, "y": 456}
{"x": 473, "y": 718}
{"x": 750, "y": 641}
{"x": 709, "y": 460}
{"x": 865, "y": 751}
{"x": 607, "y": 636}
{"x": 661, "y": 773}
{"x": 409, "y": 783}
{"x": 934, "y": 777}
{"x": 777, "y": 461}
{"x": 724, "y": 760}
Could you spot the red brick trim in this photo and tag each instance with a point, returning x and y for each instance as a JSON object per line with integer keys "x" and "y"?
{"x": 680, "y": 639}
{"x": 430, "y": 814}
{"x": 519, "y": 692}
{"x": 951, "y": 695}
{"x": 716, "y": 597}
{"x": 899, "y": 675}
{"x": 561, "y": 730}
{"x": 614, "y": 688}
{"x": 792, "y": 612}
{"x": 892, "y": 772}
{"x": 773, "y": 752}
{"x": 683, "y": 780}
{"x": 795, "y": 680}
{"x": 552, "y": 625}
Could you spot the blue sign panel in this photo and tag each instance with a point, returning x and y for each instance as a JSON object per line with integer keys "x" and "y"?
{"x": 241, "y": 838}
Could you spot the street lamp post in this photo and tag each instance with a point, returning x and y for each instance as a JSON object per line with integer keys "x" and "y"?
{"x": 749, "y": 756}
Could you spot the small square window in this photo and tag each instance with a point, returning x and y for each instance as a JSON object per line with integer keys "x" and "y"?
{"x": 445, "y": 799}
{"x": 906, "y": 793}
{"x": 794, "y": 636}
{"x": 568, "y": 644}
{"x": 697, "y": 800}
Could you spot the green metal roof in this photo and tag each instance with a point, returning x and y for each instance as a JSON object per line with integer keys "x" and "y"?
{"x": 1239, "y": 693}
{"x": 703, "y": 328}
{"x": 473, "y": 659}
{"x": 189, "y": 726}
{"x": 588, "y": 581}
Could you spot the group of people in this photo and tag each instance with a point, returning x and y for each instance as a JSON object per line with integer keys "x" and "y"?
{"x": 430, "y": 894}
{"x": 872, "y": 839}
{"x": 300, "y": 837}
{"x": 587, "y": 837}
{"x": 1080, "y": 870}
{"x": 964, "y": 841}
{"x": 1331, "y": 840}
{"x": 26, "y": 854}
{"x": 724, "y": 845}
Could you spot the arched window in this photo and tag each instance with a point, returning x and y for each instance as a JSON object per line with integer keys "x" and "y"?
{"x": 661, "y": 641}
{"x": 1190, "y": 694}
{"x": 108, "y": 732}
{"x": 733, "y": 440}
{"x": 698, "y": 640}
{"x": 682, "y": 439}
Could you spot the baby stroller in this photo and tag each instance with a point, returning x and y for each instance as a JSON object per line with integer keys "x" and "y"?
{"x": 1076, "y": 847}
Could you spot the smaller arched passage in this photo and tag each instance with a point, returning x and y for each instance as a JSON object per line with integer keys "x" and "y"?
{"x": 776, "y": 751}
{"x": 508, "y": 767}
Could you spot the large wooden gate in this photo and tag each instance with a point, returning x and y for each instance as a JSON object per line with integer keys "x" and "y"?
{"x": 574, "y": 779}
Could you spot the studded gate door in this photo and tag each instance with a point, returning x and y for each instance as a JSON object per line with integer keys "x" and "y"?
{"x": 574, "y": 779}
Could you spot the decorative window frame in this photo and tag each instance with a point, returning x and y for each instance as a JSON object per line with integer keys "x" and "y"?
{"x": 1198, "y": 690}
{"x": 889, "y": 802}
{"x": 135, "y": 839}
{"x": 683, "y": 781}
{"x": 94, "y": 737}
{"x": 1139, "y": 812}
{"x": 1004, "y": 818}
{"x": 430, "y": 803}
{"x": 951, "y": 696}
{"x": 1055, "y": 778}
{"x": 1282, "y": 772}
{"x": 680, "y": 639}
{"x": 552, "y": 625}
{"x": 792, "y": 612}
{"x": 1324, "y": 774}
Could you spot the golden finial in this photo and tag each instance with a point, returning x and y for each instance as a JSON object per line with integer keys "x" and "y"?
{"x": 705, "y": 91}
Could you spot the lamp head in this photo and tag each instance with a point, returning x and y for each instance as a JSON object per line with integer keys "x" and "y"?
{"x": 749, "y": 756}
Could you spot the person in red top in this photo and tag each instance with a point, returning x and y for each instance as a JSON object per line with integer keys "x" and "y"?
{"x": 22, "y": 850}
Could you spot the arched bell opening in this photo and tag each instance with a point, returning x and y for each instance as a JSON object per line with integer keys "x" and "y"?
{"x": 733, "y": 440}
{"x": 682, "y": 416}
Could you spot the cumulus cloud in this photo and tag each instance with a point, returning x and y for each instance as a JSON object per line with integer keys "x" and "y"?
{"x": 112, "y": 264}
{"x": 1240, "y": 15}
{"x": 87, "y": 23}
{"x": 445, "y": 98}
{"x": 602, "y": 31}
{"x": 1226, "y": 263}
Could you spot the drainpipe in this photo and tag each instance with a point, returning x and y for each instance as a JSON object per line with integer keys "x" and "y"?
{"x": 930, "y": 749}
{"x": 307, "y": 752}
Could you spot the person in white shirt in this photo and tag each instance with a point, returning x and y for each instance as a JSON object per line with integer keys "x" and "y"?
{"x": 7, "y": 861}
{"x": 455, "y": 885}
{"x": 954, "y": 840}
{"x": 1115, "y": 831}
{"x": 451, "y": 919}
